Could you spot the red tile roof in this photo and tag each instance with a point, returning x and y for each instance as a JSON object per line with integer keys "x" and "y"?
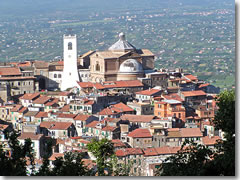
{"x": 210, "y": 140}
{"x": 41, "y": 100}
{"x": 191, "y": 77}
{"x": 185, "y": 132}
{"x": 122, "y": 84}
{"x": 33, "y": 136}
{"x": 41, "y": 114}
{"x": 56, "y": 155}
{"x": 71, "y": 116}
{"x": 55, "y": 125}
{"x": 115, "y": 109}
{"x": 140, "y": 133}
{"x": 167, "y": 150}
{"x": 150, "y": 152}
{"x": 128, "y": 151}
{"x": 29, "y": 96}
{"x": 81, "y": 117}
{"x": 65, "y": 108}
{"x": 193, "y": 93}
{"x": 118, "y": 143}
{"x": 137, "y": 118}
{"x": 16, "y": 108}
{"x": 64, "y": 93}
{"x": 173, "y": 96}
{"x": 204, "y": 85}
{"x": 98, "y": 86}
{"x": 89, "y": 102}
{"x": 3, "y": 126}
{"x": 10, "y": 71}
{"x": 23, "y": 109}
{"x": 54, "y": 101}
{"x": 92, "y": 124}
{"x": 149, "y": 92}
{"x": 85, "y": 84}
{"x": 109, "y": 128}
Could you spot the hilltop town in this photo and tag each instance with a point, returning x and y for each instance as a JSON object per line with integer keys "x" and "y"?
{"x": 117, "y": 94}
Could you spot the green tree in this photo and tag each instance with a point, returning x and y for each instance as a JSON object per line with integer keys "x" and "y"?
{"x": 103, "y": 150}
{"x": 15, "y": 164}
{"x": 198, "y": 160}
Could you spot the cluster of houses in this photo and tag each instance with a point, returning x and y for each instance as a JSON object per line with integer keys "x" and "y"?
{"x": 146, "y": 119}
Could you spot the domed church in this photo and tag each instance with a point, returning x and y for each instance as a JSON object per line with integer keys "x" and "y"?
{"x": 122, "y": 61}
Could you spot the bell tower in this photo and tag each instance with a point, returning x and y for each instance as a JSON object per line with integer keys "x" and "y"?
{"x": 70, "y": 72}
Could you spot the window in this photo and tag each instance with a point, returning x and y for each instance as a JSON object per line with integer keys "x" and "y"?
{"x": 137, "y": 139}
{"x": 69, "y": 46}
{"x": 19, "y": 83}
{"x": 59, "y": 76}
{"x": 55, "y": 75}
{"x": 41, "y": 72}
{"x": 179, "y": 115}
{"x": 97, "y": 66}
{"x": 165, "y": 124}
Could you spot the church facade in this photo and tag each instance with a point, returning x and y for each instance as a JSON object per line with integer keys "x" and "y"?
{"x": 122, "y": 61}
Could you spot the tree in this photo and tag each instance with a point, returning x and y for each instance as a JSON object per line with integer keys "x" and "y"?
{"x": 198, "y": 160}
{"x": 15, "y": 164}
{"x": 103, "y": 150}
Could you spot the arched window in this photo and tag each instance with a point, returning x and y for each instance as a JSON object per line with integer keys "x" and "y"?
{"x": 55, "y": 75}
{"x": 97, "y": 66}
{"x": 69, "y": 46}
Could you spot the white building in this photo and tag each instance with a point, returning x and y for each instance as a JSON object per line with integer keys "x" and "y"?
{"x": 70, "y": 72}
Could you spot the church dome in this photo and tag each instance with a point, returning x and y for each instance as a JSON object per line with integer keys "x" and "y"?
{"x": 122, "y": 44}
{"x": 131, "y": 66}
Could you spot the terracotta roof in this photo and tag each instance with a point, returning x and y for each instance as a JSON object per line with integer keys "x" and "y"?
{"x": 85, "y": 84}
{"x": 54, "y": 101}
{"x": 30, "y": 113}
{"x": 118, "y": 143}
{"x": 150, "y": 152}
{"x": 128, "y": 151}
{"x": 184, "y": 132}
{"x": 167, "y": 150}
{"x": 173, "y": 96}
{"x": 84, "y": 141}
{"x": 29, "y": 96}
{"x": 137, "y": 118}
{"x": 41, "y": 114}
{"x": 16, "y": 108}
{"x": 41, "y": 100}
{"x": 122, "y": 84}
{"x": 109, "y": 128}
{"x": 55, "y": 125}
{"x": 3, "y": 126}
{"x": 23, "y": 109}
{"x": 203, "y": 85}
{"x": 92, "y": 124}
{"x": 98, "y": 86}
{"x": 41, "y": 64}
{"x": 17, "y": 78}
{"x": 190, "y": 77}
{"x": 81, "y": 117}
{"x": 193, "y": 93}
{"x": 89, "y": 163}
{"x": 210, "y": 140}
{"x": 33, "y": 136}
{"x": 10, "y": 71}
{"x": 62, "y": 115}
{"x": 64, "y": 93}
{"x": 115, "y": 109}
{"x": 56, "y": 155}
{"x": 89, "y": 102}
{"x": 65, "y": 108}
{"x": 149, "y": 92}
{"x": 140, "y": 133}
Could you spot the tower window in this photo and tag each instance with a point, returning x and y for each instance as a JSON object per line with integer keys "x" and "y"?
{"x": 69, "y": 46}
{"x": 97, "y": 66}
